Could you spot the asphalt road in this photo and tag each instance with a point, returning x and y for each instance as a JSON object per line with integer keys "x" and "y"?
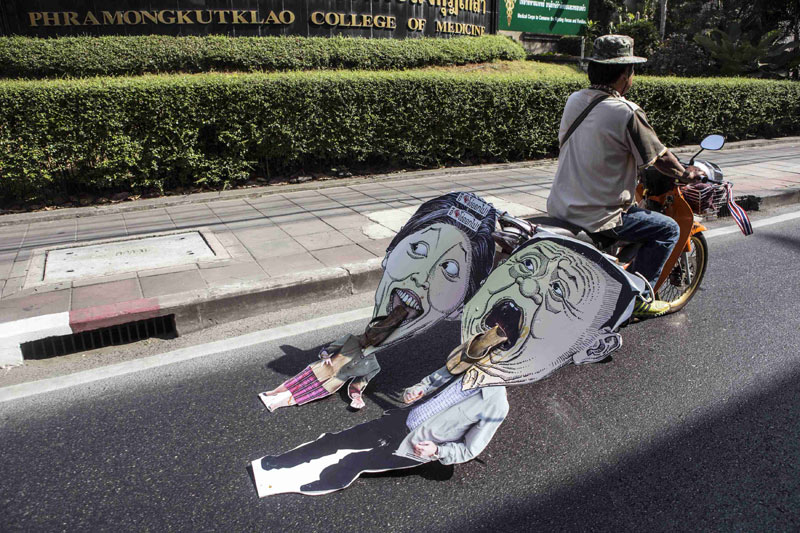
{"x": 692, "y": 426}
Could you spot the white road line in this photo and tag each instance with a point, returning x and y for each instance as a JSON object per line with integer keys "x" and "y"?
{"x": 14, "y": 392}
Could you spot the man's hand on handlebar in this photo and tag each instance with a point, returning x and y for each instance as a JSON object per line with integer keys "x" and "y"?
{"x": 692, "y": 174}
{"x": 668, "y": 164}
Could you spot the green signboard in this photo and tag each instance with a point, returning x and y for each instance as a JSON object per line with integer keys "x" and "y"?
{"x": 559, "y": 17}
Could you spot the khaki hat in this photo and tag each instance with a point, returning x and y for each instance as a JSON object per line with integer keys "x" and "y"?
{"x": 615, "y": 50}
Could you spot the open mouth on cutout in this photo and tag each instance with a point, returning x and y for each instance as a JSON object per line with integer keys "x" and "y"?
{"x": 408, "y": 299}
{"x": 508, "y": 316}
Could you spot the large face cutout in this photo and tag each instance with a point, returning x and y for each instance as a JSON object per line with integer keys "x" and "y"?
{"x": 550, "y": 301}
{"x": 436, "y": 262}
{"x": 427, "y": 272}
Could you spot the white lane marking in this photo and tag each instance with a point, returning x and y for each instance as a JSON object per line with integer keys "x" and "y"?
{"x": 15, "y": 392}
{"x": 757, "y": 224}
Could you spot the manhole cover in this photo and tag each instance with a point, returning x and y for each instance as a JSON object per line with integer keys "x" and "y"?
{"x": 125, "y": 256}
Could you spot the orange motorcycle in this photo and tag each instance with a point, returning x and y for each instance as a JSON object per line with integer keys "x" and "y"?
{"x": 686, "y": 204}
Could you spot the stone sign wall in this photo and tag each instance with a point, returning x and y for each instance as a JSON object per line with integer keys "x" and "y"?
{"x": 311, "y": 18}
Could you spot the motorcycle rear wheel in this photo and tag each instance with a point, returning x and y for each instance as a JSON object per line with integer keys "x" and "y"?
{"x": 686, "y": 275}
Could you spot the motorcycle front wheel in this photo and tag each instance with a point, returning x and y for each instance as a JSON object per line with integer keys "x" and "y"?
{"x": 686, "y": 275}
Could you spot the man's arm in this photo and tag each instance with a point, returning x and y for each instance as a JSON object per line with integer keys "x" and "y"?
{"x": 668, "y": 164}
{"x": 428, "y": 384}
{"x": 474, "y": 441}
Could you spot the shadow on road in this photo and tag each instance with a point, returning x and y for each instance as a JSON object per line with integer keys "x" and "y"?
{"x": 738, "y": 470}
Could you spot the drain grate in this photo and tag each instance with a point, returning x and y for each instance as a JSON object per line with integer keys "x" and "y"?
{"x": 162, "y": 327}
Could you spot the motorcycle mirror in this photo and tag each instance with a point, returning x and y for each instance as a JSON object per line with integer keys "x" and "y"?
{"x": 713, "y": 142}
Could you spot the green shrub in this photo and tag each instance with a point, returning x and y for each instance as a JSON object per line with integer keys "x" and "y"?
{"x": 24, "y": 57}
{"x": 218, "y": 130}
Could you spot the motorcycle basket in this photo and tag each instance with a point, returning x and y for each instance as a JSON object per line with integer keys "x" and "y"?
{"x": 705, "y": 198}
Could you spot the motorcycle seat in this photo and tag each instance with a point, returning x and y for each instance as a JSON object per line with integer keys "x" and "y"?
{"x": 600, "y": 239}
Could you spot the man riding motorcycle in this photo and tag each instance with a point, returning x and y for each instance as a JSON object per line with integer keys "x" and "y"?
{"x": 605, "y": 139}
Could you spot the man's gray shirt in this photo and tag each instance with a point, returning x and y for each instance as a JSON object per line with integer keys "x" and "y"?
{"x": 597, "y": 167}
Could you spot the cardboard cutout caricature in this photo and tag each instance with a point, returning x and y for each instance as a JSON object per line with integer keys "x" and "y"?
{"x": 556, "y": 300}
{"x": 436, "y": 261}
{"x": 451, "y": 425}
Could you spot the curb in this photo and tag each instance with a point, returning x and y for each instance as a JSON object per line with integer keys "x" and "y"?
{"x": 194, "y": 310}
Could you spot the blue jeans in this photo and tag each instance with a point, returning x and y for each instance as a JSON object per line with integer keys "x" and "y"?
{"x": 659, "y": 235}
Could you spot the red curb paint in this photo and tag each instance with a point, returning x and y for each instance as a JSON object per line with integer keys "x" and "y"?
{"x": 103, "y": 316}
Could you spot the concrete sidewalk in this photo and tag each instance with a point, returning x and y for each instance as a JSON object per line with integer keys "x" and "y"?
{"x": 270, "y": 247}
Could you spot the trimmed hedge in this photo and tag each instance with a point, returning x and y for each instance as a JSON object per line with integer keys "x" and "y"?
{"x": 168, "y": 131}
{"x": 24, "y": 57}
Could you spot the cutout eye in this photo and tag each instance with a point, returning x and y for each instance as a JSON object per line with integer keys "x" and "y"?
{"x": 530, "y": 265}
{"x": 419, "y": 249}
{"x": 557, "y": 290}
{"x": 451, "y": 269}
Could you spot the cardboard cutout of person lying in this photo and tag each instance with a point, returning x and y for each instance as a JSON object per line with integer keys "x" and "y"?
{"x": 449, "y": 425}
{"x": 554, "y": 301}
{"x": 435, "y": 262}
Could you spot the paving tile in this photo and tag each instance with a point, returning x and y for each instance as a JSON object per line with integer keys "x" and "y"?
{"x": 140, "y": 223}
{"x": 226, "y": 238}
{"x": 343, "y": 254}
{"x": 367, "y": 207}
{"x": 42, "y": 237}
{"x": 233, "y": 274}
{"x": 290, "y": 264}
{"x": 11, "y": 240}
{"x": 46, "y": 287}
{"x": 20, "y": 267}
{"x": 351, "y": 220}
{"x": 320, "y": 241}
{"x": 256, "y": 236}
{"x": 318, "y": 203}
{"x": 166, "y": 270}
{"x": 103, "y": 279}
{"x": 153, "y": 286}
{"x": 238, "y": 252}
{"x": 12, "y": 286}
{"x": 298, "y": 214}
{"x": 274, "y": 249}
{"x": 228, "y": 205}
{"x": 305, "y": 228}
{"x": 6, "y": 264}
{"x": 34, "y": 305}
{"x": 260, "y": 221}
{"x": 276, "y": 208}
{"x": 529, "y": 200}
{"x": 106, "y": 293}
{"x": 376, "y": 246}
{"x": 192, "y": 216}
{"x": 357, "y": 235}
{"x": 299, "y": 195}
{"x": 106, "y": 228}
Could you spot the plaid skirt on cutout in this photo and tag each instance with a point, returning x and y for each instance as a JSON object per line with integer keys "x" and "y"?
{"x": 305, "y": 387}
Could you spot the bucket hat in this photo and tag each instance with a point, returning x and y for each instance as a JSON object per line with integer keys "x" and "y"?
{"x": 615, "y": 50}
